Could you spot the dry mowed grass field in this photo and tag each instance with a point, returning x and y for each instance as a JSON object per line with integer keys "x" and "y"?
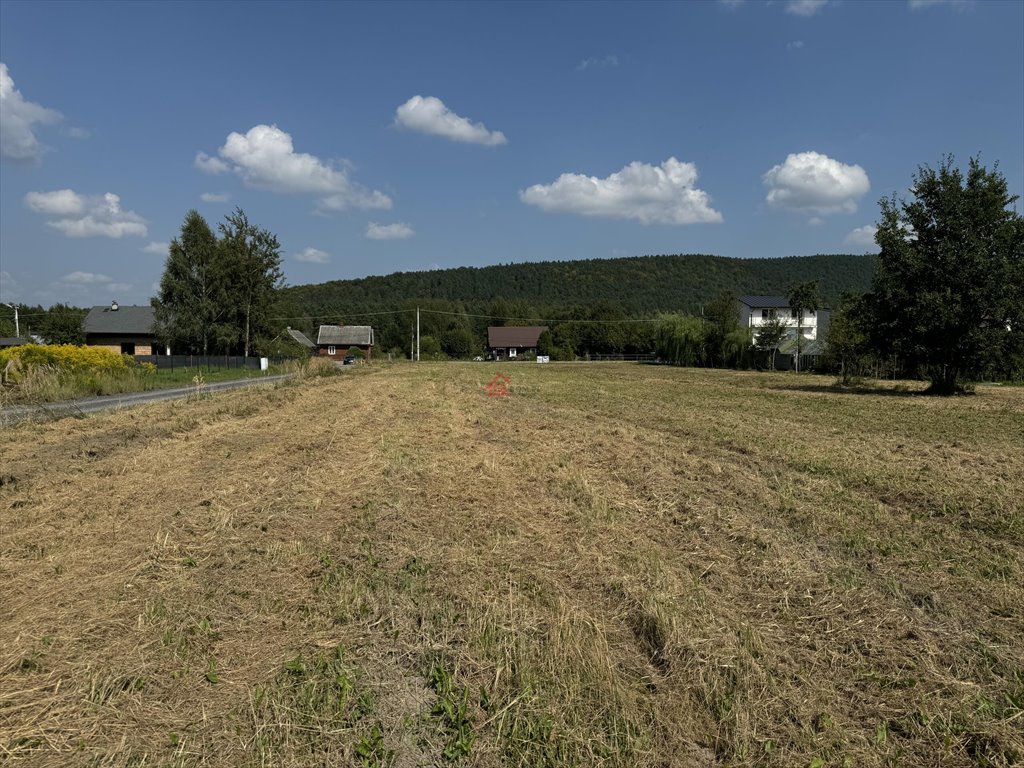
{"x": 617, "y": 565}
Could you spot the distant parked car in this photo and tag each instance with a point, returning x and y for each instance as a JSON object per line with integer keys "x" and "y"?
{"x": 350, "y": 360}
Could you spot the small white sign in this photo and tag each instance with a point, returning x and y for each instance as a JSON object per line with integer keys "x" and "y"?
{"x": 543, "y": 358}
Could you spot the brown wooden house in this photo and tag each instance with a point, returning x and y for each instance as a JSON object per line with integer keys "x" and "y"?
{"x": 338, "y": 341}
{"x": 511, "y": 341}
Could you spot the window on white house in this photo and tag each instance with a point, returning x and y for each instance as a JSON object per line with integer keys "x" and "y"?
{"x": 764, "y": 314}
{"x": 792, "y": 313}
{"x": 332, "y": 350}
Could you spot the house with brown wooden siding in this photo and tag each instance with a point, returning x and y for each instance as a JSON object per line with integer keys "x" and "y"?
{"x": 338, "y": 341}
{"x": 509, "y": 341}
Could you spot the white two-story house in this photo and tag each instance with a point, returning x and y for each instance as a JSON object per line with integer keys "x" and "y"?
{"x": 755, "y": 311}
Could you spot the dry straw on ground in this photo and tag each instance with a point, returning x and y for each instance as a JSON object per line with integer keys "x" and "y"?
{"x": 617, "y": 565}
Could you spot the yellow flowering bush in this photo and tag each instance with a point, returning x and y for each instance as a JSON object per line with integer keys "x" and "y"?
{"x": 60, "y": 357}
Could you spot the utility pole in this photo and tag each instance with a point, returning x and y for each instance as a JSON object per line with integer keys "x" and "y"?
{"x": 417, "y": 334}
{"x": 17, "y": 328}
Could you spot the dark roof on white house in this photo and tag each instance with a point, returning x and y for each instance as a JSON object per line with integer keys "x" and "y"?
{"x": 125, "y": 320}
{"x": 300, "y": 337}
{"x": 514, "y": 336}
{"x": 765, "y": 302}
{"x": 345, "y": 335}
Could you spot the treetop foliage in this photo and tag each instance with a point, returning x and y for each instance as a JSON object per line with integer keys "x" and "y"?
{"x": 948, "y": 292}
{"x": 216, "y": 293}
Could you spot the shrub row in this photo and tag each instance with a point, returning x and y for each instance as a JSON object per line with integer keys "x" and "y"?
{"x": 62, "y": 357}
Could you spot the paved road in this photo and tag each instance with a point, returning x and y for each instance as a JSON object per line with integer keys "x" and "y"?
{"x": 18, "y": 413}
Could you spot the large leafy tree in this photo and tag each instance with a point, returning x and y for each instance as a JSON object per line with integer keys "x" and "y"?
{"x": 723, "y": 334}
{"x": 948, "y": 291}
{"x": 848, "y": 338}
{"x": 191, "y": 307}
{"x": 217, "y": 293}
{"x": 803, "y": 297}
{"x": 679, "y": 339}
{"x": 770, "y": 335}
{"x": 251, "y": 256}
{"x": 63, "y": 324}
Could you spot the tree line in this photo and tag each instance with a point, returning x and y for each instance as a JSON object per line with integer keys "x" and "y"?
{"x": 58, "y": 324}
{"x": 642, "y": 286}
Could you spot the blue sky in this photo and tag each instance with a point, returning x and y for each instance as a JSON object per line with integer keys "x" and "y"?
{"x": 386, "y": 137}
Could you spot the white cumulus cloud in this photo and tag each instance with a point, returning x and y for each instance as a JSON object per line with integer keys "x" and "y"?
{"x": 86, "y": 278}
{"x": 805, "y": 7}
{"x": 313, "y": 256}
{"x": 155, "y": 247}
{"x": 398, "y": 231}
{"x": 61, "y": 202}
{"x": 265, "y": 158}
{"x": 428, "y": 114}
{"x": 650, "y": 194}
{"x": 83, "y": 281}
{"x": 863, "y": 237}
{"x": 810, "y": 182}
{"x": 82, "y": 216}
{"x": 960, "y": 5}
{"x": 210, "y": 165}
{"x": 213, "y": 197}
{"x": 18, "y": 118}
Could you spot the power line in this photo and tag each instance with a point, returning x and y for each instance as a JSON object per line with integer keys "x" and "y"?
{"x": 462, "y": 314}
{"x": 381, "y": 313}
{"x": 540, "y": 319}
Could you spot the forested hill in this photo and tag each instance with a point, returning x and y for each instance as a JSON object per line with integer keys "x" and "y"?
{"x": 642, "y": 285}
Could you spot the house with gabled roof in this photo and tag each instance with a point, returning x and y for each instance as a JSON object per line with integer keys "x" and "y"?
{"x": 125, "y": 329}
{"x": 338, "y": 341}
{"x": 755, "y": 311}
{"x": 300, "y": 338}
{"x": 510, "y": 341}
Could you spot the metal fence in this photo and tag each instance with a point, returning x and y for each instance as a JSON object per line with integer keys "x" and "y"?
{"x": 209, "y": 362}
{"x": 785, "y": 361}
{"x": 595, "y": 358}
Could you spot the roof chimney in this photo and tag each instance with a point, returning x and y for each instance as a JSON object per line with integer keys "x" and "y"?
{"x": 113, "y": 306}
